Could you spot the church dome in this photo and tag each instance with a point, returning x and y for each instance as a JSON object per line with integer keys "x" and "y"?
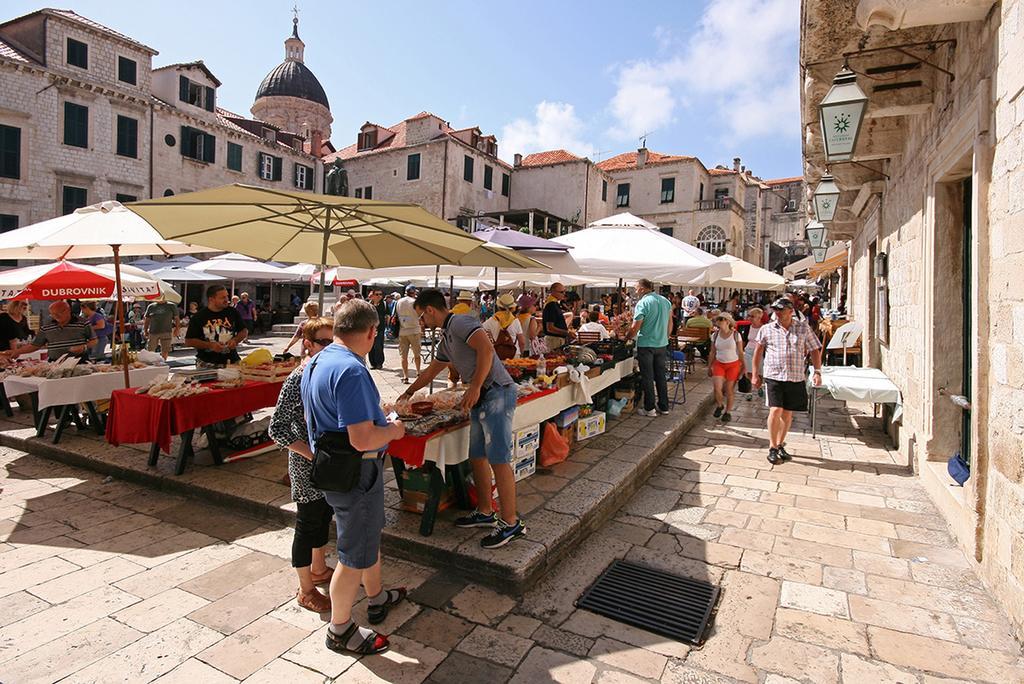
{"x": 293, "y": 79}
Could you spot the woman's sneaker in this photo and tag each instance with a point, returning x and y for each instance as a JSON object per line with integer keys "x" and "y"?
{"x": 503, "y": 533}
{"x": 726, "y": 417}
{"x": 477, "y": 519}
{"x": 718, "y": 411}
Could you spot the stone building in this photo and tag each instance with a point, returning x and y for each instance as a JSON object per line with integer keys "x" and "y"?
{"x": 934, "y": 213}
{"x": 560, "y": 184}
{"x": 455, "y": 174}
{"x": 84, "y": 117}
{"x": 783, "y": 219}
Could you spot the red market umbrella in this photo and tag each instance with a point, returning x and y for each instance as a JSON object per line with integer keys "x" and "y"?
{"x": 68, "y": 280}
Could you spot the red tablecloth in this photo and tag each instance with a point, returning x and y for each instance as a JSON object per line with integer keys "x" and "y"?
{"x": 411, "y": 447}
{"x": 136, "y": 418}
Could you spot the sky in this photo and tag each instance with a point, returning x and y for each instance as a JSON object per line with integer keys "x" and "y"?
{"x": 715, "y": 79}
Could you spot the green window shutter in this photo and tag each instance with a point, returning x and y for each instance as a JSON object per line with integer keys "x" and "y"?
{"x": 234, "y": 157}
{"x": 76, "y": 125}
{"x": 259, "y": 164}
{"x": 127, "y": 136}
{"x": 295, "y": 175}
{"x": 209, "y": 99}
{"x": 182, "y": 88}
{"x": 413, "y": 167}
{"x": 10, "y": 152}
{"x": 77, "y": 54}
{"x": 488, "y": 178}
{"x": 277, "y": 168}
{"x": 210, "y": 148}
{"x": 186, "y": 141}
{"x": 127, "y": 70}
{"x": 506, "y": 184}
{"x": 309, "y": 177}
{"x": 467, "y": 168}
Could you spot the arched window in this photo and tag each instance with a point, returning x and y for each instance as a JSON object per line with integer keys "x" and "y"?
{"x": 712, "y": 239}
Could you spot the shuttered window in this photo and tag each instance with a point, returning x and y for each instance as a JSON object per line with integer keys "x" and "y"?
{"x": 234, "y": 156}
{"x": 506, "y": 184}
{"x": 488, "y": 178}
{"x": 10, "y": 152}
{"x": 412, "y": 167}
{"x": 622, "y": 195}
{"x": 123, "y": 198}
{"x": 127, "y": 136}
{"x": 195, "y": 93}
{"x": 76, "y": 125}
{"x": 668, "y": 190}
{"x": 73, "y": 198}
{"x": 303, "y": 177}
{"x": 269, "y": 167}
{"x": 198, "y": 145}
{"x": 78, "y": 53}
{"x": 127, "y": 70}
{"x": 467, "y": 168}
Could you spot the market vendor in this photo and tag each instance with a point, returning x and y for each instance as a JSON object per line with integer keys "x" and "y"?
{"x": 216, "y": 330}
{"x": 64, "y": 334}
{"x": 556, "y": 331}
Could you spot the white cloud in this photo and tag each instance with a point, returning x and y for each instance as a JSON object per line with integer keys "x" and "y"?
{"x": 554, "y": 125}
{"x": 741, "y": 61}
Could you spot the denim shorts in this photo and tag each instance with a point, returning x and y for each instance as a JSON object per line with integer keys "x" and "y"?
{"x": 490, "y": 427}
{"x": 359, "y": 516}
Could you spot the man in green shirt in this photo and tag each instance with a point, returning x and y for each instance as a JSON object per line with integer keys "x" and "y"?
{"x": 652, "y": 323}
{"x": 699, "y": 320}
{"x": 162, "y": 324}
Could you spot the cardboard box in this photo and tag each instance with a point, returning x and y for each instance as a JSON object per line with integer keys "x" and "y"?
{"x": 525, "y": 467}
{"x": 591, "y": 426}
{"x": 525, "y": 441}
{"x": 415, "y": 502}
{"x": 567, "y": 417}
{"x": 593, "y": 372}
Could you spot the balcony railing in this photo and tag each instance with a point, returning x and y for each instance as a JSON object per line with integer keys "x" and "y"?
{"x": 717, "y": 204}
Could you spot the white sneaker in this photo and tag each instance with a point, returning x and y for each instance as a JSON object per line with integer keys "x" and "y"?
{"x": 647, "y": 414}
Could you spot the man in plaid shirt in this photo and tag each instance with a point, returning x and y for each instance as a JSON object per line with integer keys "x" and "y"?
{"x": 784, "y": 344}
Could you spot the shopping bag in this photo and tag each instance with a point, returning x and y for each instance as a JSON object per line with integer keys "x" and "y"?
{"x": 553, "y": 447}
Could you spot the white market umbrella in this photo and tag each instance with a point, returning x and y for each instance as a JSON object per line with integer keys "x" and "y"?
{"x": 803, "y": 266}
{"x": 166, "y": 291}
{"x": 96, "y": 231}
{"x": 627, "y": 247}
{"x": 743, "y": 275}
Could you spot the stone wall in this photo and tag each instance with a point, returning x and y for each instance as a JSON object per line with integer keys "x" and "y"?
{"x": 559, "y": 189}
{"x": 387, "y": 173}
{"x": 975, "y": 129}
{"x": 461, "y": 195}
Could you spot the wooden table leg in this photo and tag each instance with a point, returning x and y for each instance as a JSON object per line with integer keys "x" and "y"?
{"x": 435, "y": 489}
{"x": 94, "y": 417}
{"x": 154, "y": 453}
{"x": 398, "y": 465}
{"x": 185, "y": 453}
{"x": 44, "y": 419}
{"x": 4, "y": 402}
{"x": 458, "y": 480}
{"x": 213, "y": 446}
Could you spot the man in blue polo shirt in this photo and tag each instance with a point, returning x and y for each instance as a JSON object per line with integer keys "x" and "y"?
{"x": 652, "y": 321}
{"x": 490, "y": 400}
{"x": 339, "y": 396}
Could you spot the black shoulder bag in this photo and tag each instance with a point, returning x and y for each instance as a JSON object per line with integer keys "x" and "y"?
{"x": 336, "y": 464}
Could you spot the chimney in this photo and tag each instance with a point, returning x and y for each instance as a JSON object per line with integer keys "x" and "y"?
{"x": 641, "y": 157}
{"x": 517, "y": 161}
{"x": 736, "y": 164}
{"x": 316, "y": 143}
{"x": 743, "y": 169}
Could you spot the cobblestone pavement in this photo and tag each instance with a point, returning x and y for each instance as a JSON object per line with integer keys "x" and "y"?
{"x": 834, "y": 568}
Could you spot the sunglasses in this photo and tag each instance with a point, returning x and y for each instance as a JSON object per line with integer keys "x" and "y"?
{"x": 324, "y": 342}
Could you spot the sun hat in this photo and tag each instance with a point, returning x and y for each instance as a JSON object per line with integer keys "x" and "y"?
{"x": 506, "y": 301}
{"x": 525, "y": 301}
{"x": 782, "y": 303}
{"x": 465, "y": 296}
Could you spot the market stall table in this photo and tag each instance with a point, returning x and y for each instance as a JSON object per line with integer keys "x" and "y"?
{"x": 849, "y": 383}
{"x": 442, "y": 451}
{"x": 136, "y": 418}
{"x": 63, "y": 395}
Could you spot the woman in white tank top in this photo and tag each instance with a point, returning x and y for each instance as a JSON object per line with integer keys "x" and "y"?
{"x": 726, "y": 364}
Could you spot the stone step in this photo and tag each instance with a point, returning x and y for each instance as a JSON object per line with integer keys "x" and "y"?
{"x": 284, "y": 327}
{"x": 279, "y": 333}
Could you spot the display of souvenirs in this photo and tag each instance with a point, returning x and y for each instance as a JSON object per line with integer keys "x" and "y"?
{"x": 273, "y": 371}
{"x": 172, "y": 387}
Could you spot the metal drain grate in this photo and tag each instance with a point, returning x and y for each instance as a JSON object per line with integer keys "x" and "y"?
{"x": 660, "y": 602}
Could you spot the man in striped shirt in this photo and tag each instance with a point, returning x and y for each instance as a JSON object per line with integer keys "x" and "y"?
{"x": 64, "y": 334}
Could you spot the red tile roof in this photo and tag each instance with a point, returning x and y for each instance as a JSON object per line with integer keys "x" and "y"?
{"x": 78, "y": 18}
{"x": 549, "y": 157}
{"x": 784, "y": 181}
{"x": 627, "y": 160}
{"x": 10, "y": 52}
{"x": 197, "y": 64}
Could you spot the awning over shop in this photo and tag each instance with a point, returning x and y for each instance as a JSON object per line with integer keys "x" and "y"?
{"x": 835, "y": 257}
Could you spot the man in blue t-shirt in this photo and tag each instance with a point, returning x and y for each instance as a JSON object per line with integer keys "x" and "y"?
{"x": 490, "y": 400}
{"x": 652, "y": 323}
{"x": 339, "y": 396}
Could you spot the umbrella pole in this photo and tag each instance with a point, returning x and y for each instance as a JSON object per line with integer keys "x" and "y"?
{"x": 437, "y": 276}
{"x": 495, "y": 281}
{"x": 323, "y": 270}
{"x": 622, "y": 304}
{"x": 120, "y": 312}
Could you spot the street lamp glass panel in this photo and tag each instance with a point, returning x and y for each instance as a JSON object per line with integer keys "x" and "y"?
{"x": 826, "y": 197}
{"x": 819, "y": 254}
{"x": 841, "y": 114}
{"x": 816, "y": 234}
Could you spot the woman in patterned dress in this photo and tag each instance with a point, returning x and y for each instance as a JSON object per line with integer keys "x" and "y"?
{"x": 313, "y": 516}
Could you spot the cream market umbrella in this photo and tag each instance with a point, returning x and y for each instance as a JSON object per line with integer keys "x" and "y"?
{"x": 305, "y": 227}
{"x": 167, "y": 292}
{"x": 743, "y": 276}
{"x": 97, "y": 231}
{"x": 627, "y": 247}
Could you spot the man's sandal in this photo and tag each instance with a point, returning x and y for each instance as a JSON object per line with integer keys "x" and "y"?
{"x": 371, "y": 645}
{"x": 379, "y": 613}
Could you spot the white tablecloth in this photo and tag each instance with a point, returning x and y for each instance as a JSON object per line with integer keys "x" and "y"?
{"x": 452, "y": 447}
{"x": 63, "y": 391}
{"x": 849, "y": 383}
